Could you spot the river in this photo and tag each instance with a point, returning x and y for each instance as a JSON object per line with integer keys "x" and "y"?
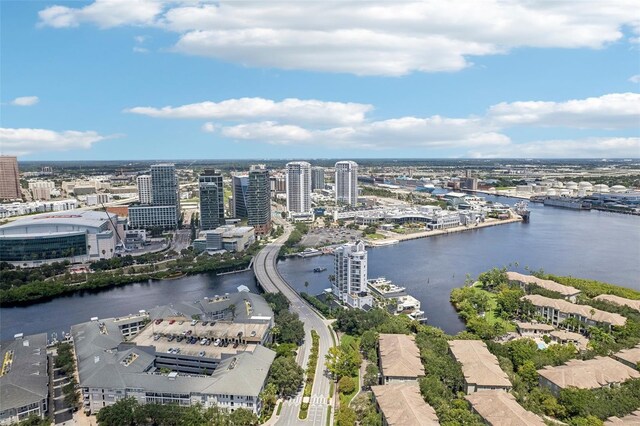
{"x": 588, "y": 244}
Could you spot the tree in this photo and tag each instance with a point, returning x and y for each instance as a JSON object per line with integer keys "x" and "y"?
{"x": 269, "y": 396}
{"x": 286, "y": 375}
{"x": 121, "y": 413}
{"x": 528, "y": 373}
{"x": 243, "y": 417}
{"x": 346, "y": 385}
{"x": 346, "y": 416}
{"x": 368, "y": 341}
{"x": 291, "y": 328}
{"x": 371, "y": 375}
{"x": 342, "y": 361}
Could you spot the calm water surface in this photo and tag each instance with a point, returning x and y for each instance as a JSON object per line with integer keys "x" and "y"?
{"x": 598, "y": 245}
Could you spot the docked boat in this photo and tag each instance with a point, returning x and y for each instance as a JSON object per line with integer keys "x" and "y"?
{"x": 567, "y": 203}
{"x": 319, "y": 269}
{"x": 522, "y": 210}
{"x": 309, "y": 252}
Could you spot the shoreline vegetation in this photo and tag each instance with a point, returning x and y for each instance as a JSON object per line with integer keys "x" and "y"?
{"x": 34, "y": 289}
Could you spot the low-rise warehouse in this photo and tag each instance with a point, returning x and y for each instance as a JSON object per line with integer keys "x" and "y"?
{"x": 399, "y": 358}
{"x": 591, "y": 374}
{"x": 499, "y": 408}
{"x": 401, "y": 404}
{"x": 479, "y": 366}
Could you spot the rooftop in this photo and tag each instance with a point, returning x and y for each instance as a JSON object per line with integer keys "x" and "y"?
{"x": 402, "y": 404}
{"x": 534, "y": 326}
{"x": 577, "y": 338}
{"x": 23, "y": 378}
{"x": 564, "y": 290}
{"x": 399, "y": 356}
{"x": 500, "y": 408}
{"x": 633, "y": 304}
{"x": 631, "y": 356}
{"x": 632, "y": 419}
{"x": 585, "y": 311}
{"x": 591, "y": 374}
{"x": 479, "y": 366}
{"x": 88, "y": 218}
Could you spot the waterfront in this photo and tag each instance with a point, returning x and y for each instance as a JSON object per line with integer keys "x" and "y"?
{"x": 588, "y": 244}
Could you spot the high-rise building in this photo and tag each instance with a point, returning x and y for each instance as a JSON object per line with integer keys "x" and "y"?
{"x": 347, "y": 182}
{"x": 350, "y": 271}
{"x": 317, "y": 178}
{"x": 298, "y": 187}
{"x": 41, "y": 189}
{"x": 259, "y": 199}
{"x": 165, "y": 190}
{"x": 240, "y": 187}
{"x": 144, "y": 189}
{"x": 211, "y": 200}
{"x": 9, "y": 178}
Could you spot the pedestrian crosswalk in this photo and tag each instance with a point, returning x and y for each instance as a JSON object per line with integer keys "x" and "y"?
{"x": 314, "y": 399}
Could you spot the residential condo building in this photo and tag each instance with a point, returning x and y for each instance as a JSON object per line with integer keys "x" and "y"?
{"x": 144, "y": 189}
{"x": 298, "y": 187}
{"x": 163, "y": 209}
{"x": 211, "y": 199}
{"x": 350, "y": 270}
{"x": 259, "y": 199}
{"x": 480, "y": 367}
{"x": 317, "y": 178}
{"x": 347, "y": 183}
{"x": 9, "y": 178}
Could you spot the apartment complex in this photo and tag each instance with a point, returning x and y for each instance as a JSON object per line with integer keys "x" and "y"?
{"x": 159, "y": 195}
{"x": 399, "y": 358}
{"x": 629, "y": 357}
{"x": 479, "y": 366}
{"x": 259, "y": 199}
{"x": 9, "y": 178}
{"x": 144, "y": 189}
{"x": 620, "y": 301}
{"x": 347, "y": 183}
{"x": 24, "y": 379}
{"x": 350, "y": 270}
{"x": 499, "y": 408}
{"x": 211, "y": 200}
{"x": 298, "y": 180}
{"x": 557, "y": 311}
{"x": 525, "y": 281}
{"x": 317, "y": 178}
{"x": 595, "y": 373}
{"x": 402, "y": 404}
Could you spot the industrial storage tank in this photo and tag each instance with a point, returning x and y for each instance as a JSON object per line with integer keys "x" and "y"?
{"x": 601, "y": 187}
{"x": 618, "y": 188}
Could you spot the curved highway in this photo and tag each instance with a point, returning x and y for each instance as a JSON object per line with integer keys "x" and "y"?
{"x": 266, "y": 272}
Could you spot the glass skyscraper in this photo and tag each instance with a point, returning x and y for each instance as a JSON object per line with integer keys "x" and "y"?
{"x": 259, "y": 199}
{"x": 240, "y": 187}
{"x": 211, "y": 200}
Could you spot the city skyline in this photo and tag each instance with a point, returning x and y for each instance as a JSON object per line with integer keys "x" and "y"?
{"x": 417, "y": 80}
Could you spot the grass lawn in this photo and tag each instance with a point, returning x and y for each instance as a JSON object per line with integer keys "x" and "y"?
{"x": 375, "y": 236}
{"x": 346, "y": 399}
{"x": 490, "y": 314}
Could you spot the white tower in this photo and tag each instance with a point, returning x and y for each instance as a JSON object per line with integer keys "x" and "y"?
{"x": 144, "y": 189}
{"x": 347, "y": 183}
{"x": 298, "y": 187}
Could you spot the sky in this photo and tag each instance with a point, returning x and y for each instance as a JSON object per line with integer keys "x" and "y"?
{"x": 189, "y": 79}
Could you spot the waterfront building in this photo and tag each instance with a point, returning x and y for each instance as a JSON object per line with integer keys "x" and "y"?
{"x": 525, "y": 281}
{"x": 259, "y": 200}
{"x": 24, "y": 379}
{"x": 346, "y": 183}
{"x": 317, "y": 178}
{"x": 557, "y": 311}
{"x": 620, "y": 301}
{"x": 227, "y": 366}
{"x": 77, "y": 236}
{"x": 399, "y": 358}
{"x": 226, "y": 237}
{"x": 595, "y": 373}
{"x": 211, "y": 200}
{"x": 240, "y": 189}
{"x": 629, "y": 357}
{"x": 497, "y": 407}
{"x": 152, "y": 216}
{"x": 9, "y": 178}
{"x": 480, "y": 367}
{"x": 298, "y": 187}
{"x": 350, "y": 271}
{"x": 145, "y": 194}
{"x": 401, "y": 404}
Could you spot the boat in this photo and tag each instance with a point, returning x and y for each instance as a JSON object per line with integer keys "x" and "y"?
{"x": 319, "y": 269}
{"x": 567, "y": 203}
{"x": 522, "y": 209}
{"x": 308, "y": 252}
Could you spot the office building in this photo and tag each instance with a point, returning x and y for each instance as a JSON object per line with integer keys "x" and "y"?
{"x": 298, "y": 187}
{"x": 317, "y": 178}
{"x": 347, "y": 183}
{"x": 350, "y": 270}
{"x": 259, "y": 200}
{"x": 165, "y": 190}
{"x": 77, "y": 236}
{"x": 24, "y": 380}
{"x": 480, "y": 367}
{"x": 9, "y": 178}
{"x": 240, "y": 188}
{"x": 211, "y": 200}
{"x": 144, "y": 189}
{"x": 399, "y": 358}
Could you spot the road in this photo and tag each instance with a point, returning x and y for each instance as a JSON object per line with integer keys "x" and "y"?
{"x": 264, "y": 267}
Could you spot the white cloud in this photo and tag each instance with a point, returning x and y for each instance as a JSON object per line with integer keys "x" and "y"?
{"x": 635, "y": 78}
{"x": 289, "y": 110}
{"x": 138, "y": 49}
{"x": 364, "y": 38}
{"x": 615, "y": 147}
{"x": 208, "y": 127}
{"x": 25, "y": 101}
{"x": 25, "y": 141}
{"x": 103, "y": 13}
{"x": 612, "y": 111}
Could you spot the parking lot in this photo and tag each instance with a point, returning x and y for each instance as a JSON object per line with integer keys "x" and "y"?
{"x": 319, "y": 237}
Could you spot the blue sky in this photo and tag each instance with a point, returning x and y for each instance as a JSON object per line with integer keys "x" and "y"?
{"x": 89, "y": 80}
